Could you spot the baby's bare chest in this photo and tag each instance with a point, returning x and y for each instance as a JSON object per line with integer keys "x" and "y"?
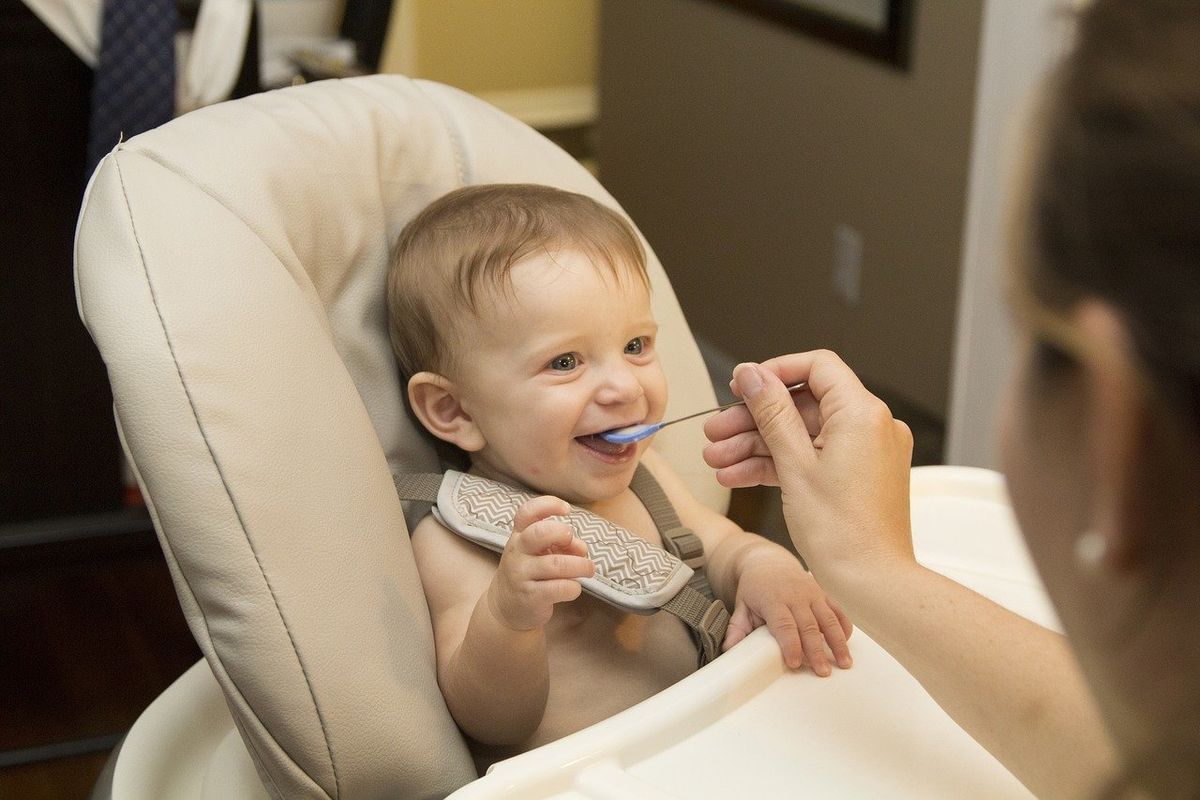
{"x": 602, "y": 660}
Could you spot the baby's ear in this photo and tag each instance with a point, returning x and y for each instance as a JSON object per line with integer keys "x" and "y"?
{"x": 434, "y": 400}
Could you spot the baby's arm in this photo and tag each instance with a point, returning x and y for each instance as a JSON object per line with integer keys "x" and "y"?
{"x": 489, "y": 619}
{"x": 762, "y": 582}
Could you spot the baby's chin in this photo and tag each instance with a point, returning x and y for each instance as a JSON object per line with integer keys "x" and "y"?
{"x": 582, "y": 492}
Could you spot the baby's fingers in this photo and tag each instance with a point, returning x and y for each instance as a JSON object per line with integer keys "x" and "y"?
{"x": 549, "y": 536}
{"x": 782, "y": 626}
{"x": 813, "y": 642}
{"x": 560, "y": 591}
{"x": 537, "y": 509}
{"x": 553, "y": 566}
{"x": 836, "y": 633}
{"x": 740, "y": 625}
{"x": 843, "y": 620}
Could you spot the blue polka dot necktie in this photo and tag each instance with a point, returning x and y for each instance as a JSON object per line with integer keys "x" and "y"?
{"x": 133, "y": 88}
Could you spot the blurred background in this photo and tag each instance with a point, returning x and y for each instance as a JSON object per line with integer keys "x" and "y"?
{"x": 811, "y": 173}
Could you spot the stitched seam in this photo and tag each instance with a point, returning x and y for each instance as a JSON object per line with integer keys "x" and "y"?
{"x": 451, "y": 132}
{"x": 220, "y": 473}
{"x": 209, "y": 193}
{"x": 169, "y": 553}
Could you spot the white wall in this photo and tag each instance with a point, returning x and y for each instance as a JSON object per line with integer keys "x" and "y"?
{"x": 1020, "y": 42}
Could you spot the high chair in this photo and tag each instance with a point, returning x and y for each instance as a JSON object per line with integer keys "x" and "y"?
{"x": 230, "y": 267}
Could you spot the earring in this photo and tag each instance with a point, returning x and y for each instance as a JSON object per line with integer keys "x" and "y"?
{"x": 1091, "y": 548}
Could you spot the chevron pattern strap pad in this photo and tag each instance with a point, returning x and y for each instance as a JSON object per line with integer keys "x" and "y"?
{"x": 631, "y": 573}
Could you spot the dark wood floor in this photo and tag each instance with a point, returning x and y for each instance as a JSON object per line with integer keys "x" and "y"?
{"x": 90, "y": 634}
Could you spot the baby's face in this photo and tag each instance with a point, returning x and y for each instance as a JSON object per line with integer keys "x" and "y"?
{"x": 567, "y": 354}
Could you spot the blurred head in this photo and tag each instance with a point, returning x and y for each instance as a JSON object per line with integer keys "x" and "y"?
{"x": 1102, "y": 435}
{"x": 521, "y": 315}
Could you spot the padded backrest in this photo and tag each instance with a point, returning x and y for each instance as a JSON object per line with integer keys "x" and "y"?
{"x": 230, "y": 266}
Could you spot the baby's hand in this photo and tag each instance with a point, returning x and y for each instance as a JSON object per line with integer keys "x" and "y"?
{"x": 774, "y": 589}
{"x": 538, "y": 566}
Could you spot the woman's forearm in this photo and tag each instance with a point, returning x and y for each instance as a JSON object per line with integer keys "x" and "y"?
{"x": 496, "y": 683}
{"x": 1013, "y": 685}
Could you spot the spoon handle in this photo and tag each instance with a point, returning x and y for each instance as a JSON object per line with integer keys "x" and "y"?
{"x": 793, "y": 388}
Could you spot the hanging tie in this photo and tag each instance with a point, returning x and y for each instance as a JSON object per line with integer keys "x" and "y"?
{"x": 133, "y": 89}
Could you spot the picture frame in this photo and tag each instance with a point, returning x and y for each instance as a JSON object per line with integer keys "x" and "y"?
{"x": 877, "y": 29}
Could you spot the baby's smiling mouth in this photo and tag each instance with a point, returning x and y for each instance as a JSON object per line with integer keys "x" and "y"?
{"x": 595, "y": 442}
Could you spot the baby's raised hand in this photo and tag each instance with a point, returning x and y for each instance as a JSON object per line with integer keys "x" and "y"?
{"x": 773, "y": 589}
{"x": 538, "y": 567}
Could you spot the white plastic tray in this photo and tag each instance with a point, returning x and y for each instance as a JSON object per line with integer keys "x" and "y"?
{"x": 745, "y": 726}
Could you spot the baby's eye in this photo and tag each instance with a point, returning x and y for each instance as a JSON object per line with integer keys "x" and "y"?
{"x": 564, "y": 363}
{"x": 635, "y": 346}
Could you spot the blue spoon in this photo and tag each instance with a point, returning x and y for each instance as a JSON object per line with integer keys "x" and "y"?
{"x": 635, "y": 433}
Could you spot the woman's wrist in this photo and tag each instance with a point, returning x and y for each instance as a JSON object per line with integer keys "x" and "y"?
{"x": 869, "y": 587}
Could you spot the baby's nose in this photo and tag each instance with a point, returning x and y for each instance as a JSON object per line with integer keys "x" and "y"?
{"x": 620, "y": 385}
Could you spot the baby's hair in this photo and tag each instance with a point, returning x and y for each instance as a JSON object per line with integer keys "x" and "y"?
{"x": 471, "y": 238}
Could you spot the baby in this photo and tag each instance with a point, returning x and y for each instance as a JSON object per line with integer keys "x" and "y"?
{"x": 521, "y": 315}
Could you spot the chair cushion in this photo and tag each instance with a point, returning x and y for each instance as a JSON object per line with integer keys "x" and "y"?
{"x": 230, "y": 266}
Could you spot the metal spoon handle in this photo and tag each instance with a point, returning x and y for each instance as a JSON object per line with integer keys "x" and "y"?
{"x": 793, "y": 388}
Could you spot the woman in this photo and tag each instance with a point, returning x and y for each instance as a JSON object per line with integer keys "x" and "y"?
{"x": 1101, "y": 439}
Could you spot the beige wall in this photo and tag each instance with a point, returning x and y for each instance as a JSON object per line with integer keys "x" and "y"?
{"x": 494, "y": 45}
{"x": 738, "y": 146}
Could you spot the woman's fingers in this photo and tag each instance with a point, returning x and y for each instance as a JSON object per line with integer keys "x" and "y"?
{"x": 757, "y": 471}
{"x": 737, "y": 420}
{"x": 735, "y": 449}
{"x": 782, "y": 428}
{"x": 823, "y": 371}
{"x": 729, "y": 423}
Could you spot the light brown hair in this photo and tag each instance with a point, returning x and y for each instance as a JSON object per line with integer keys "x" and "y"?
{"x": 467, "y": 241}
{"x": 1115, "y": 199}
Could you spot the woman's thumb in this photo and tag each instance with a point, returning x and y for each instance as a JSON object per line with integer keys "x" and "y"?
{"x": 775, "y": 415}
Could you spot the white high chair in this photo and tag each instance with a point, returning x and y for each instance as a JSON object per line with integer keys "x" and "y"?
{"x": 230, "y": 266}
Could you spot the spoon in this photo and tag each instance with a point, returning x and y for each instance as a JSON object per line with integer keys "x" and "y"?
{"x": 635, "y": 433}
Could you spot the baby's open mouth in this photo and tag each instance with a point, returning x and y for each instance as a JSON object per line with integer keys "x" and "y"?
{"x": 595, "y": 442}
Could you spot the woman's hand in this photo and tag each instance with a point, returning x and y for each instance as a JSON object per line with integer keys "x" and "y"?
{"x": 840, "y": 458}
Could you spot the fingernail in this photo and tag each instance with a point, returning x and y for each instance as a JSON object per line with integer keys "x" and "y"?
{"x": 748, "y": 379}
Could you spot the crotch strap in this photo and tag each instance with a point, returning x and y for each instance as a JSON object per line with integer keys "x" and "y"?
{"x": 631, "y": 573}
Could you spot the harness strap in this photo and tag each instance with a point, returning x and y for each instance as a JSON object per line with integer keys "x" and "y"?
{"x": 696, "y": 604}
{"x": 420, "y": 486}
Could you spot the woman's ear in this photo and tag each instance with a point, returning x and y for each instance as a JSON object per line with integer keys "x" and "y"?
{"x": 435, "y": 401}
{"x": 1120, "y": 439}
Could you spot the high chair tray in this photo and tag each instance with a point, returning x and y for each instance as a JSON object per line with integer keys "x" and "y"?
{"x": 746, "y": 726}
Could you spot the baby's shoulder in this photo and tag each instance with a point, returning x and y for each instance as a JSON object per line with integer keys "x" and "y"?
{"x": 442, "y": 554}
